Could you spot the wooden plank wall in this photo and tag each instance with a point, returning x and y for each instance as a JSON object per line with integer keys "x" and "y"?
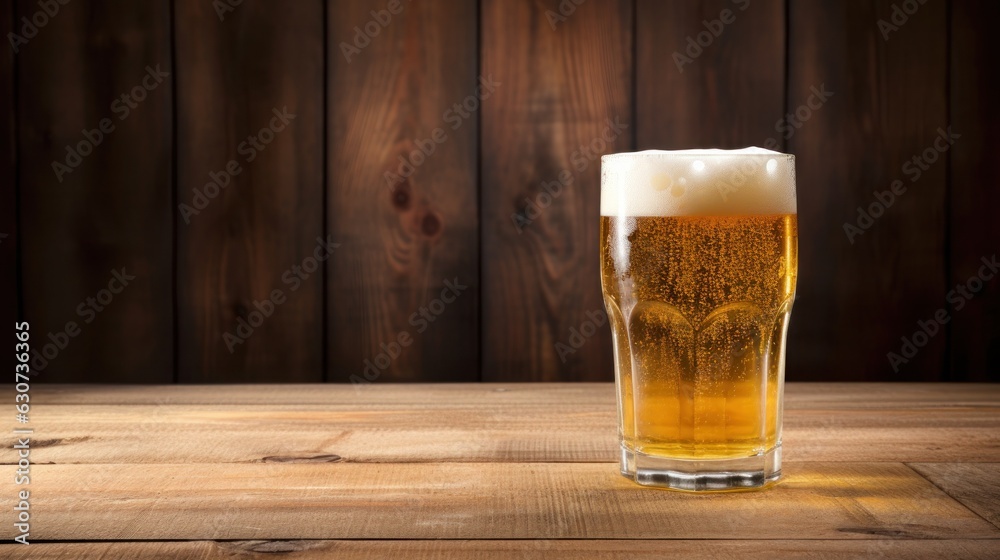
{"x": 95, "y": 186}
{"x": 8, "y": 186}
{"x": 444, "y": 153}
{"x": 857, "y": 297}
{"x": 688, "y": 99}
{"x": 974, "y": 179}
{"x": 249, "y": 128}
{"x": 401, "y": 182}
{"x": 566, "y": 93}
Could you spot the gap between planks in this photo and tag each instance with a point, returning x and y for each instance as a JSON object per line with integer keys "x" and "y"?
{"x": 479, "y": 501}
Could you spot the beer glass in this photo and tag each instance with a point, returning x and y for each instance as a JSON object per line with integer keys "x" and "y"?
{"x": 698, "y": 269}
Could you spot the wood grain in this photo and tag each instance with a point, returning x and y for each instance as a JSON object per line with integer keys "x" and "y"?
{"x": 686, "y": 101}
{"x": 433, "y": 395}
{"x": 976, "y": 486}
{"x": 812, "y": 396}
{"x": 148, "y": 434}
{"x": 234, "y": 77}
{"x": 855, "y": 301}
{"x": 112, "y": 210}
{"x": 560, "y": 75}
{"x": 478, "y": 500}
{"x": 974, "y": 175}
{"x": 566, "y": 92}
{"x": 907, "y": 396}
{"x": 349, "y": 433}
{"x": 162, "y": 471}
{"x": 455, "y": 423}
{"x": 951, "y": 549}
{"x": 406, "y": 240}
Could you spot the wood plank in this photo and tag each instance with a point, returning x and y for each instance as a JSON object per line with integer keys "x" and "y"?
{"x": 974, "y": 230}
{"x": 441, "y": 430}
{"x": 565, "y": 83}
{"x": 892, "y": 435}
{"x": 977, "y": 486}
{"x": 350, "y": 433}
{"x": 890, "y": 395}
{"x": 686, "y": 101}
{"x": 110, "y": 211}
{"x": 477, "y": 500}
{"x": 501, "y": 550}
{"x": 887, "y": 105}
{"x": 405, "y": 241}
{"x": 237, "y": 79}
{"x": 431, "y": 395}
{"x": 9, "y": 268}
{"x": 829, "y": 396}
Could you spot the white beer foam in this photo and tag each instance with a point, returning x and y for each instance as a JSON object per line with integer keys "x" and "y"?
{"x": 749, "y": 181}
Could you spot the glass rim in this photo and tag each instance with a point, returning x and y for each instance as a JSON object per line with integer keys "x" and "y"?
{"x": 748, "y": 152}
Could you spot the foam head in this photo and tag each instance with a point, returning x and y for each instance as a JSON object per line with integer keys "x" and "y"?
{"x": 750, "y": 181}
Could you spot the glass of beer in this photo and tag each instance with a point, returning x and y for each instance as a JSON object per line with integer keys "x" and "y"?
{"x": 698, "y": 268}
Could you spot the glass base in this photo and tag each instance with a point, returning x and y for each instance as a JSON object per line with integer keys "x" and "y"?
{"x": 695, "y": 475}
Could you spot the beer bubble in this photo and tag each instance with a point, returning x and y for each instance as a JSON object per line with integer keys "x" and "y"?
{"x": 661, "y": 181}
{"x": 678, "y": 189}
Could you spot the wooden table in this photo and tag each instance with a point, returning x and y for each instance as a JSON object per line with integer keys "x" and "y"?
{"x": 488, "y": 471}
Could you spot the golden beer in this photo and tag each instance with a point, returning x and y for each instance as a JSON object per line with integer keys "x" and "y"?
{"x": 698, "y": 266}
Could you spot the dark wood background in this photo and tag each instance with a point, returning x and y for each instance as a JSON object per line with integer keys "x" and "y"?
{"x": 559, "y": 81}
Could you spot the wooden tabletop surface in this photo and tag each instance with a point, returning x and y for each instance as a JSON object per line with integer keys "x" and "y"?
{"x": 487, "y": 471}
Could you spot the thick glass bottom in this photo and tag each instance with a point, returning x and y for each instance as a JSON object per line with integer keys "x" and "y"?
{"x": 694, "y": 475}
